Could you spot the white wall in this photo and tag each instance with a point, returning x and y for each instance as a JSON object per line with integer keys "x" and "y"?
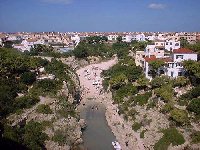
{"x": 185, "y": 57}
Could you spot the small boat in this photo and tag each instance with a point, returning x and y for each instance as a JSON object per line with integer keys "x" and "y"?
{"x": 116, "y": 145}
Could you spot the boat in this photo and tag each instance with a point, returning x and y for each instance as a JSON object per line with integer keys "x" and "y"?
{"x": 116, "y": 145}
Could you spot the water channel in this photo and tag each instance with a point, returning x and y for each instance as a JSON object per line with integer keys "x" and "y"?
{"x": 97, "y": 135}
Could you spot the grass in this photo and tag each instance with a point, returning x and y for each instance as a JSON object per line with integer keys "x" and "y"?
{"x": 171, "y": 135}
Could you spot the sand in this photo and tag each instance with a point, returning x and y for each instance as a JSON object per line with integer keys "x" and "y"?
{"x": 91, "y": 87}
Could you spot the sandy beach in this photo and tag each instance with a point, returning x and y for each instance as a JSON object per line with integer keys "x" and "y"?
{"x": 91, "y": 88}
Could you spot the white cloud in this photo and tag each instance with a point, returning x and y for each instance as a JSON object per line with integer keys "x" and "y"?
{"x": 58, "y": 1}
{"x": 156, "y": 6}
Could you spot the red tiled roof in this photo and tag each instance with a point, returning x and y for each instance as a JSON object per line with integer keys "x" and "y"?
{"x": 151, "y": 58}
{"x": 183, "y": 51}
{"x": 167, "y": 59}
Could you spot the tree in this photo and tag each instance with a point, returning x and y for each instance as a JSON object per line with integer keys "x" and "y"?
{"x": 184, "y": 43}
{"x": 119, "y": 39}
{"x": 155, "y": 65}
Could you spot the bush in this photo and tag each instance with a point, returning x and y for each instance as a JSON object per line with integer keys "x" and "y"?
{"x": 194, "y": 106}
{"x": 159, "y": 81}
{"x": 165, "y": 92}
{"x": 142, "y": 99}
{"x": 46, "y": 86}
{"x": 44, "y": 109}
{"x": 195, "y": 137}
{"x": 28, "y": 77}
{"x": 124, "y": 92}
{"x": 167, "y": 108}
{"x": 136, "y": 126}
{"x": 59, "y": 137}
{"x": 25, "y": 102}
{"x": 179, "y": 116}
{"x": 142, "y": 134}
{"x": 193, "y": 93}
{"x": 180, "y": 81}
{"x": 171, "y": 135}
{"x": 33, "y": 136}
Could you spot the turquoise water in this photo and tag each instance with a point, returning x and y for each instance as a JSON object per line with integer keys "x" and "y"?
{"x": 97, "y": 135}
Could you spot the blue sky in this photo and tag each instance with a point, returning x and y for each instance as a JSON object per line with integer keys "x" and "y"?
{"x": 99, "y": 15}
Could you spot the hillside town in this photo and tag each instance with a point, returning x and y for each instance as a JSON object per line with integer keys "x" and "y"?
{"x": 129, "y": 89}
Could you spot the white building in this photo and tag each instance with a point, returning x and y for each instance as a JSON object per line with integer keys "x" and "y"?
{"x": 76, "y": 39}
{"x": 172, "y": 44}
{"x": 28, "y": 44}
{"x": 112, "y": 37}
{"x": 173, "y": 65}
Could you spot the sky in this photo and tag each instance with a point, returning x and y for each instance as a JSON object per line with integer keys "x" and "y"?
{"x": 99, "y": 15}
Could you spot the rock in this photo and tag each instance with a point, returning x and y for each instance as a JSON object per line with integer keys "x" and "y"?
{"x": 82, "y": 124}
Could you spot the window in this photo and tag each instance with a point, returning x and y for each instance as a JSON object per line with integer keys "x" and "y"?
{"x": 179, "y": 56}
{"x": 177, "y": 44}
{"x": 166, "y": 43}
{"x": 170, "y": 43}
{"x": 170, "y": 48}
{"x": 172, "y": 74}
{"x": 180, "y": 73}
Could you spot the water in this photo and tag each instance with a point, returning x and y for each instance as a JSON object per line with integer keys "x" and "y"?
{"x": 97, "y": 135}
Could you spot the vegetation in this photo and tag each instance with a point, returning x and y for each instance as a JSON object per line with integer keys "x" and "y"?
{"x": 194, "y": 106}
{"x": 179, "y": 116}
{"x": 195, "y": 137}
{"x": 46, "y": 87}
{"x": 155, "y": 65}
{"x": 44, "y": 109}
{"x": 171, "y": 135}
{"x": 142, "y": 99}
{"x": 30, "y": 135}
{"x": 136, "y": 126}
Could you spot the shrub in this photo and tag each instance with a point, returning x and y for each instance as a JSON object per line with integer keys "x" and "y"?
{"x": 124, "y": 92}
{"x": 142, "y": 99}
{"x": 44, "y": 109}
{"x": 167, "y": 108}
{"x": 33, "y": 136}
{"x": 180, "y": 81}
{"x": 28, "y": 77}
{"x": 136, "y": 126}
{"x": 159, "y": 81}
{"x": 142, "y": 134}
{"x": 165, "y": 92}
{"x": 171, "y": 135}
{"x": 46, "y": 86}
{"x": 25, "y": 102}
{"x": 194, "y": 106}
{"x": 193, "y": 93}
{"x": 195, "y": 137}
{"x": 59, "y": 137}
{"x": 179, "y": 116}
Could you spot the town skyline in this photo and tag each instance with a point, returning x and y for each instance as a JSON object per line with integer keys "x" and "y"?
{"x": 103, "y": 16}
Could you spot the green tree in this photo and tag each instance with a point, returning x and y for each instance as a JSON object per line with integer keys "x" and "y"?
{"x": 184, "y": 43}
{"x": 119, "y": 39}
{"x": 155, "y": 65}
